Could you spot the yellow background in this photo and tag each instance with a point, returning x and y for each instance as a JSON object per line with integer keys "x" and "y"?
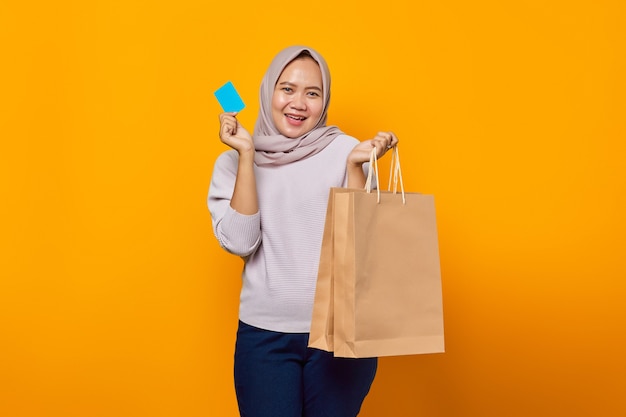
{"x": 115, "y": 299}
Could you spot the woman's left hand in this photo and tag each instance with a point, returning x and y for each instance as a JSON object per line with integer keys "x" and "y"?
{"x": 383, "y": 141}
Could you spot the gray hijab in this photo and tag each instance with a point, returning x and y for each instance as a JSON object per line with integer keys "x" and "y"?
{"x": 272, "y": 148}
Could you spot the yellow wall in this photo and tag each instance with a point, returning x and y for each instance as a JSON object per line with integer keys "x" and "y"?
{"x": 115, "y": 299}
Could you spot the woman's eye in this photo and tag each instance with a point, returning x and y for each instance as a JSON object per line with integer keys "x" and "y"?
{"x": 314, "y": 94}
{"x": 287, "y": 89}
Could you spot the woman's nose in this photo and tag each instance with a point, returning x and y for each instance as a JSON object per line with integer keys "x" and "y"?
{"x": 298, "y": 102}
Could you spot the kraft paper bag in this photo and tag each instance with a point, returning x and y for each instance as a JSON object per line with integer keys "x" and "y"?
{"x": 386, "y": 274}
{"x": 322, "y": 323}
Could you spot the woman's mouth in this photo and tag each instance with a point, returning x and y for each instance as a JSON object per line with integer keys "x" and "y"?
{"x": 295, "y": 120}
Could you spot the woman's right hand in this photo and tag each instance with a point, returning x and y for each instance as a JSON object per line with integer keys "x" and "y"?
{"x": 233, "y": 134}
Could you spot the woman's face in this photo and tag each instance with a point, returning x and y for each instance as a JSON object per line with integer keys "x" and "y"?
{"x": 298, "y": 98}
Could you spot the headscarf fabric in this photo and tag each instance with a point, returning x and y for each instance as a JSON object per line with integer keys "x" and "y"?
{"x": 272, "y": 148}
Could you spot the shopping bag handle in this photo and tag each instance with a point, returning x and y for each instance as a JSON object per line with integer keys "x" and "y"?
{"x": 370, "y": 173}
{"x": 395, "y": 174}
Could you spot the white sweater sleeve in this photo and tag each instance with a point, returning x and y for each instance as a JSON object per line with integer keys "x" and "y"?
{"x": 237, "y": 233}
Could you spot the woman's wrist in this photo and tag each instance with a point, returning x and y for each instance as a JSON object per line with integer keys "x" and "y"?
{"x": 246, "y": 156}
{"x": 356, "y": 176}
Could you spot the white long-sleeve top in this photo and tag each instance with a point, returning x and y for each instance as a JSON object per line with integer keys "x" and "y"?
{"x": 281, "y": 243}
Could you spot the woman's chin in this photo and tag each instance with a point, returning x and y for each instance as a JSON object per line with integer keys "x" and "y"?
{"x": 293, "y": 132}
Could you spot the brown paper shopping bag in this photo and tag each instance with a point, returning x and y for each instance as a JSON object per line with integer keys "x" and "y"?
{"x": 386, "y": 274}
{"x": 322, "y": 323}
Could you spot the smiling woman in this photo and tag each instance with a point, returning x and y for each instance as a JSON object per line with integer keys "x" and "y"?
{"x": 116, "y": 300}
{"x": 297, "y": 103}
{"x": 268, "y": 200}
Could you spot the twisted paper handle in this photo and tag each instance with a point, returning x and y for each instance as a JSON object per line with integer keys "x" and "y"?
{"x": 370, "y": 172}
{"x": 395, "y": 174}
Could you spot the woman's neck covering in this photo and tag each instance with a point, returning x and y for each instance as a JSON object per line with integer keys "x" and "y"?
{"x": 272, "y": 148}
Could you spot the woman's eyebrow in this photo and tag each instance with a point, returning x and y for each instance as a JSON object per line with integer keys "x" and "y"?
{"x": 290, "y": 84}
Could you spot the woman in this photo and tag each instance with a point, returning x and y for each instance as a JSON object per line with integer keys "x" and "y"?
{"x": 267, "y": 199}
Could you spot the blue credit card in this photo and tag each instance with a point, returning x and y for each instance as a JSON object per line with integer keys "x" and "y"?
{"x": 229, "y": 98}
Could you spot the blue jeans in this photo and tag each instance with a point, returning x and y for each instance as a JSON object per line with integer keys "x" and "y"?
{"x": 277, "y": 375}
